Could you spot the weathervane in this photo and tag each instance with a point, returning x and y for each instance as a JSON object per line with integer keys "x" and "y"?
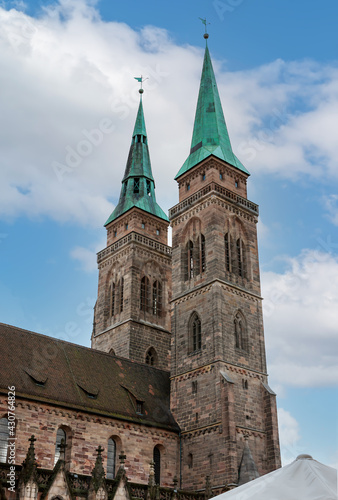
{"x": 140, "y": 79}
{"x": 204, "y": 21}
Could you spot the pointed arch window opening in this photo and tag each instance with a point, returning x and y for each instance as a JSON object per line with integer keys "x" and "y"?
{"x": 4, "y": 435}
{"x": 202, "y": 253}
{"x": 157, "y": 298}
{"x": 195, "y": 333}
{"x": 151, "y": 357}
{"x": 113, "y": 299}
{"x": 111, "y": 459}
{"x": 60, "y": 435}
{"x": 157, "y": 464}
{"x": 144, "y": 294}
{"x": 240, "y": 332}
{"x": 121, "y": 287}
{"x": 240, "y": 260}
{"x": 227, "y": 244}
{"x": 190, "y": 259}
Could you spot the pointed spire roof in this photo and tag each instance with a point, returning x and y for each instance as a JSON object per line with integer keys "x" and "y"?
{"x": 210, "y": 135}
{"x": 138, "y": 186}
{"x": 247, "y": 468}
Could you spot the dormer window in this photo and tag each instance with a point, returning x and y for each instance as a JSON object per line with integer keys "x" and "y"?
{"x": 139, "y": 407}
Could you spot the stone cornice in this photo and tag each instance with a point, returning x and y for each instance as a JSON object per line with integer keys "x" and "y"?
{"x": 230, "y": 287}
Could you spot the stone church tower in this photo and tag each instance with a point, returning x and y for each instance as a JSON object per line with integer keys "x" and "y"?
{"x": 200, "y": 299}
{"x": 132, "y": 315}
{"x": 219, "y": 392}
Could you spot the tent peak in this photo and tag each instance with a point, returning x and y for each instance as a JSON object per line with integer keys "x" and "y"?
{"x": 304, "y": 457}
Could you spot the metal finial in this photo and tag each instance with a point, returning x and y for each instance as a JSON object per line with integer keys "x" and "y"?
{"x": 204, "y": 21}
{"x": 140, "y": 79}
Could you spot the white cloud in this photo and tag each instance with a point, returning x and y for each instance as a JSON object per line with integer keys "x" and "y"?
{"x": 289, "y": 436}
{"x": 301, "y": 317}
{"x": 87, "y": 256}
{"x": 331, "y": 205}
{"x": 67, "y": 71}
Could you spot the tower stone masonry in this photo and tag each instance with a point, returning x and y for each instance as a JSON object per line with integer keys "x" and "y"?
{"x": 210, "y": 283}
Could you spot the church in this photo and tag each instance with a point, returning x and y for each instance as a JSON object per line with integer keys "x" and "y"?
{"x": 172, "y": 399}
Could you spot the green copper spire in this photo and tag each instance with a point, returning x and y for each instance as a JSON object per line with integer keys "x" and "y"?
{"x": 138, "y": 186}
{"x": 210, "y": 135}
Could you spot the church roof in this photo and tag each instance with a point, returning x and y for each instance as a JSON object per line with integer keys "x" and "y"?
{"x": 60, "y": 373}
{"x": 138, "y": 186}
{"x": 210, "y": 135}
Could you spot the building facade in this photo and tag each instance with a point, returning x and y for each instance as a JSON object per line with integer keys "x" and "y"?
{"x": 175, "y": 383}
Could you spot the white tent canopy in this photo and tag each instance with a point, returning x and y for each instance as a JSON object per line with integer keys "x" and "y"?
{"x": 303, "y": 479}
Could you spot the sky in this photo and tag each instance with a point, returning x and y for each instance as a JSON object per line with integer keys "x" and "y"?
{"x": 67, "y": 71}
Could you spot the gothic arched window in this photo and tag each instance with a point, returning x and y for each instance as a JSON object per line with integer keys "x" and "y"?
{"x": 240, "y": 257}
{"x": 4, "y": 435}
{"x": 144, "y": 295}
{"x": 157, "y": 464}
{"x": 227, "y": 244}
{"x": 195, "y": 333}
{"x": 157, "y": 298}
{"x": 121, "y": 285}
{"x": 113, "y": 298}
{"x": 151, "y": 357}
{"x": 111, "y": 459}
{"x": 240, "y": 332}
{"x": 190, "y": 252}
{"x": 60, "y": 435}
{"x": 202, "y": 253}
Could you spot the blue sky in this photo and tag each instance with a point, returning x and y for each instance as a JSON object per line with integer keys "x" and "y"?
{"x": 66, "y": 66}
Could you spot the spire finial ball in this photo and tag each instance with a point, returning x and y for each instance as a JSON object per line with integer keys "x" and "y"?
{"x": 141, "y": 91}
{"x": 206, "y": 36}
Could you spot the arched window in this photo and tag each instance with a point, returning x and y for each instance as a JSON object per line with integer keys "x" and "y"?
{"x": 151, "y": 357}
{"x": 111, "y": 459}
{"x": 4, "y": 435}
{"x": 202, "y": 253}
{"x": 121, "y": 285}
{"x": 157, "y": 464}
{"x": 157, "y": 298}
{"x": 60, "y": 435}
{"x": 195, "y": 333}
{"x": 227, "y": 244}
{"x": 240, "y": 332}
{"x": 144, "y": 296}
{"x": 113, "y": 298}
{"x": 190, "y": 259}
{"x": 240, "y": 258}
